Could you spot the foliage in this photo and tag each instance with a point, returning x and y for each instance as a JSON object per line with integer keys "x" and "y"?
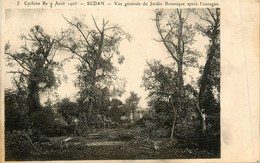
{"x": 177, "y": 35}
{"x": 160, "y": 80}
{"x": 154, "y": 125}
{"x": 36, "y": 64}
{"x": 209, "y": 95}
{"x": 210, "y": 80}
{"x": 102, "y": 101}
{"x": 117, "y": 110}
{"x": 131, "y": 103}
{"x": 95, "y": 48}
{"x": 44, "y": 121}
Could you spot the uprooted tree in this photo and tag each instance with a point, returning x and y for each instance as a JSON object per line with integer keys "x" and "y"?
{"x": 95, "y": 46}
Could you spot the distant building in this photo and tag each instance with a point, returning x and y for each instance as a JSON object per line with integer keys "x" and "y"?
{"x": 139, "y": 112}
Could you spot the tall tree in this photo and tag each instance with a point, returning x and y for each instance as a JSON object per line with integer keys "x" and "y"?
{"x": 177, "y": 35}
{"x": 94, "y": 47}
{"x": 116, "y": 110}
{"x": 34, "y": 64}
{"x": 209, "y": 100}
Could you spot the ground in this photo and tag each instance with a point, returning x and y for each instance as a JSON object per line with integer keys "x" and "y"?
{"x": 119, "y": 143}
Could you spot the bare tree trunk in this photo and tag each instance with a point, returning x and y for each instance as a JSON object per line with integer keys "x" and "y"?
{"x": 173, "y": 124}
{"x": 202, "y": 120}
{"x": 174, "y": 119}
{"x": 180, "y": 80}
{"x": 33, "y": 100}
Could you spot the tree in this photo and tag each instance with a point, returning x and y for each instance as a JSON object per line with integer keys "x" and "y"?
{"x": 131, "y": 103}
{"x": 95, "y": 49}
{"x": 116, "y": 110}
{"x": 35, "y": 62}
{"x": 210, "y": 81}
{"x": 161, "y": 82}
{"x": 177, "y": 36}
{"x": 209, "y": 100}
{"x": 102, "y": 101}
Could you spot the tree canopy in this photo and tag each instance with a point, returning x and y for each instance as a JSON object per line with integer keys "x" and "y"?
{"x": 95, "y": 47}
{"x": 177, "y": 34}
{"x": 36, "y": 63}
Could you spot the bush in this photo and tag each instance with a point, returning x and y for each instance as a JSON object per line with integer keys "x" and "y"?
{"x": 155, "y": 125}
{"x": 188, "y": 131}
{"x": 44, "y": 121}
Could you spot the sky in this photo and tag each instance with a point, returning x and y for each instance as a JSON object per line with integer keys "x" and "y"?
{"x": 135, "y": 21}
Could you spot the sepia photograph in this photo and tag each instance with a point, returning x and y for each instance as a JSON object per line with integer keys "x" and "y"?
{"x": 88, "y": 85}
{"x": 112, "y": 84}
{"x": 129, "y": 81}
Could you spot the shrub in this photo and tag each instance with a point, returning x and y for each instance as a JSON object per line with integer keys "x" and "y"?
{"x": 155, "y": 125}
{"x": 44, "y": 121}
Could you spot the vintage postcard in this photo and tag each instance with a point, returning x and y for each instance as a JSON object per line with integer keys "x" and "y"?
{"x": 173, "y": 81}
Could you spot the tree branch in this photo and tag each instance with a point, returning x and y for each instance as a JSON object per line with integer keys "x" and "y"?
{"x": 17, "y": 60}
{"x": 212, "y": 15}
{"x": 163, "y": 39}
{"x": 74, "y": 52}
{"x": 18, "y": 72}
{"x": 39, "y": 41}
{"x": 96, "y": 24}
